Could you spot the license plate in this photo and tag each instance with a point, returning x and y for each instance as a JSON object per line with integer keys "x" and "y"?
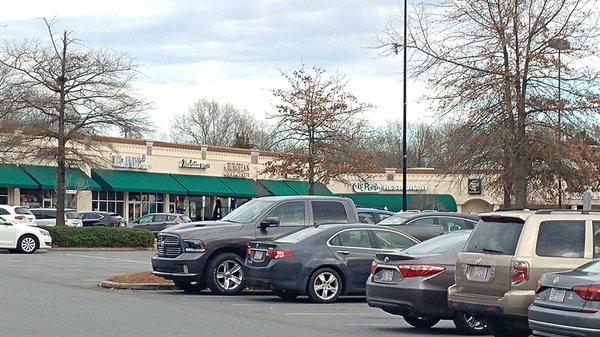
{"x": 479, "y": 272}
{"x": 258, "y": 255}
{"x": 387, "y": 275}
{"x": 557, "y": 295}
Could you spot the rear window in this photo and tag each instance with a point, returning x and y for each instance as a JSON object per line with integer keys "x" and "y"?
{"x": 22, "y": 210}
{"x": 439, "y": 244}
{"x": 298, "y": 235}
{"x": 495, "y": 236}
{"x": 325, "y": 212}
{"x": 71, "y": 215}
{"x": 561, "y": 239}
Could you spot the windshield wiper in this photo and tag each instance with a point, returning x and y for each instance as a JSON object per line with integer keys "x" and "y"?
{"x": 494, "y": 251}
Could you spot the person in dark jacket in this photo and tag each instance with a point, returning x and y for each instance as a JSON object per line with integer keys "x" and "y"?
{"x": 217, "y": 211}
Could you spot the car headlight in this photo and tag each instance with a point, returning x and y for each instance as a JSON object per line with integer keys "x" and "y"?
{"x": 194, "y": 246}
{"x": 44, "y": 232}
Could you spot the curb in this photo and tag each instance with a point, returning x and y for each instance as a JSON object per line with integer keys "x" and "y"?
{"x": 136, "y": 286}
{"x": 115, "y": 249}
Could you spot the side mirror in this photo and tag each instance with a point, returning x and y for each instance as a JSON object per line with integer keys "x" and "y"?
{"x": 269, "y": 222}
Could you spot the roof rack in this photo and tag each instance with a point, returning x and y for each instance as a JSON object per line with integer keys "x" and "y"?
{"x": 578, "y": 211}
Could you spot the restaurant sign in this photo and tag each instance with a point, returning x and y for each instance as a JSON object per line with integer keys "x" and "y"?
{"x": 134, "y": 162}
{"x": 237, "y": 170}
{"x": 190, "y": 163}
{"x": 367, "y": 187}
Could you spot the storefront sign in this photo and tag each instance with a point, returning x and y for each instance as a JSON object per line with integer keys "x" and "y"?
{"x": 408, "y": 187}
{"x": 237, "y": 170}
{"x": 190, "y": 163}
{"x": 135, "y": 162}
{"x": 365, "y": 187}
{"x": 474, "y": 186}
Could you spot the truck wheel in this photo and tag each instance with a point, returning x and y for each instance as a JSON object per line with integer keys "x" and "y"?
{"x": 188, "y": 287}
{"x": 27, "y": 244}
{"x": 503, "y": 328}
{"x": 420, "y": 322}
{"x": 225, "y": 275}
{"x": 324, "y": 286}
{"x": 468, "y": 324}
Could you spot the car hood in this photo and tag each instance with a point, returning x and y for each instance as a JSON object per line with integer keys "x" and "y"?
{"x": 202, "y": 229}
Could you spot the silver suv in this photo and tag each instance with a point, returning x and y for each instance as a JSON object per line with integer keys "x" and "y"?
{"x": 497, "y": 271}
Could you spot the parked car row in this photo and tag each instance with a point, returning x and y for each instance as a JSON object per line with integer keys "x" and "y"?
{"x": 508, "y": 273}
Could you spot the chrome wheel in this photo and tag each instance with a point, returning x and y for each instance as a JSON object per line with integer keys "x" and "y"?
{"x": 325, "y": 286}
{"x": 27, "y": 244}
{"x": 229, "y": 274}
{"x": 470, "y": 325}
{"x": 224, "y": 274}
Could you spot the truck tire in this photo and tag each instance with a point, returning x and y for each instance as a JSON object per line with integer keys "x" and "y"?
{"x": 468, "y": 324}
{"x": 224, "y": 274}
{"x": 188, "y": 287}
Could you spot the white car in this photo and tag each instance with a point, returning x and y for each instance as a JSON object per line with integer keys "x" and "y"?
{"x": 23, "y": 238}
{"x": 17, "y": 214}
{"x": 47, "y": 217}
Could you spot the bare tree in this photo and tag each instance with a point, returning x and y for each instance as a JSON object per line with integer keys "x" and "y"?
{"x": 320, "y": 132}
{"x": 59, "y": 95}
{"x": 498, "y": 62}
{"x": 210, "y": 123}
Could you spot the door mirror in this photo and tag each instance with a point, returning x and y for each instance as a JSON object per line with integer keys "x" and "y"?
{"x": 269, "y": 222}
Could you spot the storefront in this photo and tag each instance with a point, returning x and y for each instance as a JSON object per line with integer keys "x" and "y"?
{"x": 12, "y": 180}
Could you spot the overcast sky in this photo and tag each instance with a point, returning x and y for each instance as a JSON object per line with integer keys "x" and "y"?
{"x": 232, "y": 51}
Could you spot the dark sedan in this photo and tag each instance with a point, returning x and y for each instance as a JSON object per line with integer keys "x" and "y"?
{"x": 567, "y": 303}
{"x": 104, "y": 219}
{"x": 322, "y": 262}
{"x": 156, "y": 222}
{"x": 425, "y": 225}
{"x": 413, "y": 283}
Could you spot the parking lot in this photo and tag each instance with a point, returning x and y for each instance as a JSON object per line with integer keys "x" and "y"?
{"x": 56, "y": 294}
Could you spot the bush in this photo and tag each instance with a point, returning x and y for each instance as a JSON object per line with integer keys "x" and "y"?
{"x": 91, "y": 237}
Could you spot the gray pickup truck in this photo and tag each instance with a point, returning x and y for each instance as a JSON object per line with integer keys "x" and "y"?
{"x": 211, "y": 253}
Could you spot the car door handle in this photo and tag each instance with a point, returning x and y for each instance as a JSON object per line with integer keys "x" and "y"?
{"x": 343, "y": 252}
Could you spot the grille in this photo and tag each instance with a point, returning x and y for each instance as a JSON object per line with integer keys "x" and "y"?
{"x": 168, "y": 245}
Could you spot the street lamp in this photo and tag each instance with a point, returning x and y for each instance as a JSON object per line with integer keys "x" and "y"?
{"x": 404, "y": 161}
{"x": 559, "y": 45}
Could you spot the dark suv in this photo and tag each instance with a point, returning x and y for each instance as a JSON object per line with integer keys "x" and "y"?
{"x": 211, "y": 253}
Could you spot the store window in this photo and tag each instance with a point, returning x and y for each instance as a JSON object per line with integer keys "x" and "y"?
{"x": 45, "y": 199}
{"x": 108, "y": 201}
{"x": 144, "y": 203}
{"x": 3, "y": 195}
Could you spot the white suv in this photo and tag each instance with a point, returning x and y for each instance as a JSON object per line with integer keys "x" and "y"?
{"x": 17, "y": 214}
{"x": 23, "y": 238}
{"x": 47, "y": 217}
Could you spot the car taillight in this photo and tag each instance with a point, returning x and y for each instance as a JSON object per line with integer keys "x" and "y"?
{"x": 519, "y": 272}
{"x": 178, "y": 221}
{"x": 418, "y": 270}
{"x": 19, "y": 217}
{"x": 373, "y": 267}
{"x": 248, "y": 250}
{"x": 589, "y": 293}
{"x": 538, "y": 286}
{"x": 278, "y": 253}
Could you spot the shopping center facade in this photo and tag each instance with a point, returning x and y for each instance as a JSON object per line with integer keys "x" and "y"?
{"x": 137, "y": 177}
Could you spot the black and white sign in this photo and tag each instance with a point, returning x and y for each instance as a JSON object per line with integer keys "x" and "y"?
{"x": 474, "y": 186}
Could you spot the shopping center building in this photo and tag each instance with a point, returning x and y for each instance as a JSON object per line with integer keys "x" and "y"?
{"x": 138, "y": 177}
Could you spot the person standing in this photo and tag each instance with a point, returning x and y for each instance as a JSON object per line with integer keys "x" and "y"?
{"x": 217, "y": 211}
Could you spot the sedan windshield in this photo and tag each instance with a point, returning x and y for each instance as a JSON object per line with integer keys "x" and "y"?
{"x": 298, "y": 235}
{"x": 249, "y": 211}
{"x": 590, "y": 267}
{"x": 396, "y": 219}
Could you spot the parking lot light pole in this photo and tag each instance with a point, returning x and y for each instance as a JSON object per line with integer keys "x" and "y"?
{"x": 404, "y": 158}
{"x": 559, "y": 45}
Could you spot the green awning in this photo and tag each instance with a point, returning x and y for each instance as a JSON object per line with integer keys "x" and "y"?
{"x": 45, "y": 176}
{"x": 277, "y": 187}
{"x": 12, "y": 176}
{"x": 203, "y": 185}
{"x": 393, "y": 202}
{"x": 301, "y": 187}
{"x": 135, "y": 181}
{"x": 293, "y": 187}
{"x": 245, "y": 188}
